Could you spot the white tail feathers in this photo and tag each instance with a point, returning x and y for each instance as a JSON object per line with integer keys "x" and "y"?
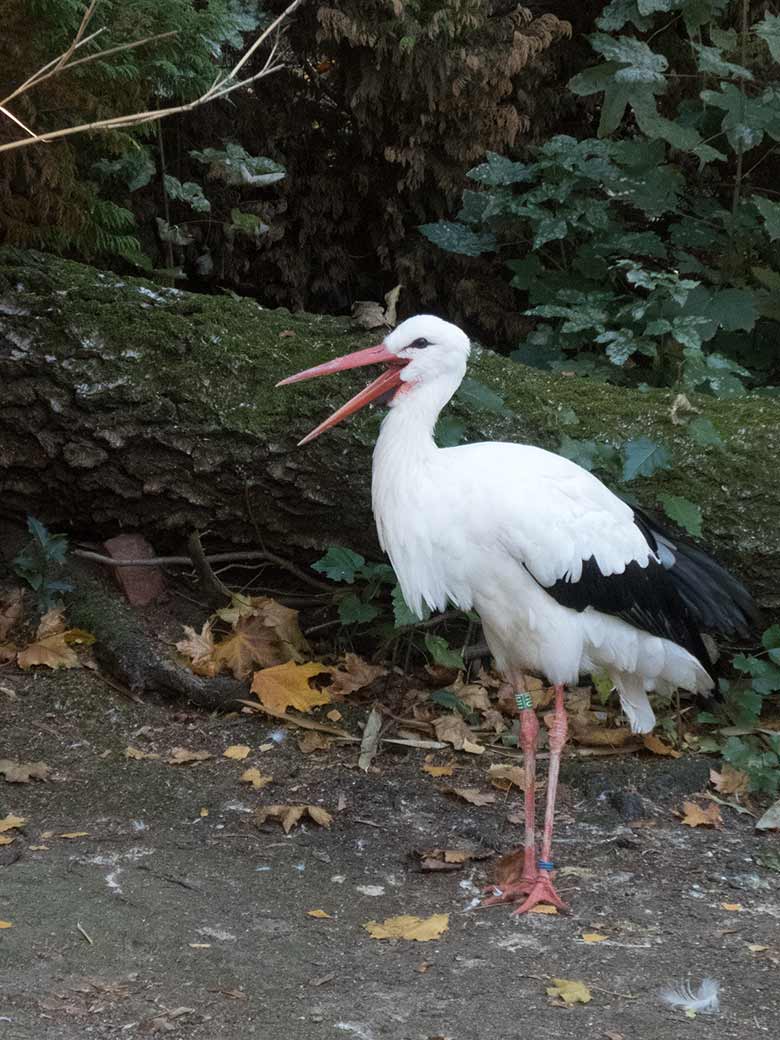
{"x": 634, "y": 702}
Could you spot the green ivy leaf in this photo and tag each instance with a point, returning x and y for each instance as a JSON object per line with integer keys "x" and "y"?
{"x": 188, "y": 192}
{"x": 686, "y": 514}
{"x": 770, "y": 640}
{"x": 643, "y": 457}
{"x": 475, "y": 394}
{"x": 404, "y": 615}
{"x": 770, "y": 211}
{"x": 769, "y": 31}
{"x": 447, "y": 699}
{"x": 702, "y": 430}
{"x": 499, "y": 171}
{"x": 457, "y": 238}
{"x": 442, "y": 653}
{"x": 449, "y": 432}
{"x": 353, "y": 610}
{"x": 339, "y": 564}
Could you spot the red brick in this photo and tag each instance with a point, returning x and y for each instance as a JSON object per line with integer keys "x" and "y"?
{"x": 141, "y": 585}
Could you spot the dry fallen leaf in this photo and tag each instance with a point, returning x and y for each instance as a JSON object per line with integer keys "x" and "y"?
{"x": 452, "y": 730}
{"x": 657, "y": 746}
{"x": 287, "y": 686}
{"x": 23, "y": 772}
{"x": 594, "y": 937}
{"x": 729, "y": 780}
{"x": 265, "y": 634}
{"x": 569, "y": 992}
{"x": 694, "y": 816}
{"x": 320, "y": 914}
{"x": 354, "y": 674}
{"x": 181, "y": 756}
{"x": 237, "y": 752}
{"x": 503, "y": 776}
{"x": 254, "y": 777}
{"x": 732, "y": 907}
{"x": 52, "y": 623}
{"x": 433, "y": 770}
{"x": 473, "y": 795}
{"x": 473, "y": 695}
{"x": 52, "y": 651}
{"x": 10, "y": 611}
{"x": 137, "y": 753}
{"x": 199, "y": 648}
{"x": 5, "y": 924}
{"x": 289, "y": 815}
{"x": 450, "y": 859}
{"x": 5, "y": 839}
{"x": 74, "y": 834}
{"x": 11, "y": 822}
{"x": 334, "y": 715}
{"x": 543, "y": 908}
{"x": 408, "y": 927}
{"x": 311, "y": 740}
{"x": 757, "y": 948}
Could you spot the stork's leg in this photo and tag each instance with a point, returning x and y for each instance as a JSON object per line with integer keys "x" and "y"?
{"x": 515, "y": 888}
{"x": 542, "y": 890}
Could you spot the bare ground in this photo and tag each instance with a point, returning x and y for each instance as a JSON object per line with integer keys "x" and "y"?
{"x": 163, "y": 920}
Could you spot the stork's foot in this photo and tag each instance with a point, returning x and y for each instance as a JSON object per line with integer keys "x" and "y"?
{"x": 511, "y": 892}
{"x": 542, "y": 891}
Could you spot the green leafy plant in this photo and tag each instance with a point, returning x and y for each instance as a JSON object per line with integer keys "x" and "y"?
{"x": 650, "y": 251}
{"x": 740, "y": 738}
{"x": 40, "y": 563}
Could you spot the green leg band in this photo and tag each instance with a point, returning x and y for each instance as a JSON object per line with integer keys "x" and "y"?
{"x": 523, "y": 701}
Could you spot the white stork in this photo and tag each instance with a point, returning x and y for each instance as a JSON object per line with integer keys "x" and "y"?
{"x": 566, "y": 577}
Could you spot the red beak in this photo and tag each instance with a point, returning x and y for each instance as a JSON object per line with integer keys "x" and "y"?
{"x": 389, "y": 380}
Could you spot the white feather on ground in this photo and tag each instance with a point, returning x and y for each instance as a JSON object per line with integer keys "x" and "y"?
{"x": 705, "y": 1001}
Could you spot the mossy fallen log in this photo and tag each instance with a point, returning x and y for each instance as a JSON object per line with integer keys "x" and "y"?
{"x": 124, "y": 404}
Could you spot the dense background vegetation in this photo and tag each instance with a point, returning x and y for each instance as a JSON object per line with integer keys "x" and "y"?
{"x": 591, "y": 187}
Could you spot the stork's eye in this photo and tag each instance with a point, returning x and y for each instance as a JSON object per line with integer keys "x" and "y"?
{"x": 419, "y": 343}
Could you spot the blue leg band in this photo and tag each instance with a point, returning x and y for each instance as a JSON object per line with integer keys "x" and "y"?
{"x": 544, "y": 864}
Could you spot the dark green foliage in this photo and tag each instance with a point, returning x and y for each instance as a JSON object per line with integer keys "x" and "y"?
{"x": 650, "y": 250}
{"x": 40, "y": 562}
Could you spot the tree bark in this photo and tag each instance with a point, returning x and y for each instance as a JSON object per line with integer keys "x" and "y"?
{"x": 124, "y": 404}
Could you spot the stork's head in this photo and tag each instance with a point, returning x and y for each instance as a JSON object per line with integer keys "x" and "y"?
{"x": 423, "y": 350}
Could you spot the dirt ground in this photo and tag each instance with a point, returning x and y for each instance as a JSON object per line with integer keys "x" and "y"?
{"x": 164, "y": 920}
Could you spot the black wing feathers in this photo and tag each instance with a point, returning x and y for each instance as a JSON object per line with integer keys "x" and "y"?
{"x": 686, "y": 593}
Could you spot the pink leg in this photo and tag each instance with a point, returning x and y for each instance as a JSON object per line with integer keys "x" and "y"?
{"x": 542, "y": 890}
{"x": 522, "y": 885}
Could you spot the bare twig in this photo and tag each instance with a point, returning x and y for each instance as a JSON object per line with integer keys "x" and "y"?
{"x": 221, "y": 87}
{"x": 216, "y": 591}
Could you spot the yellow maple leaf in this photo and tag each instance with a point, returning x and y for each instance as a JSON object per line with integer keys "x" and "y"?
{"x": 320, "y": 914}
{"x": 594, "y": 937}
{"x": 418, "y": 929}
{"x": 265, "y": 634}
{"x": 504, "y": 776}
{"x": 433, "y": 770}
{"x": 694, "y": 816}
{"x": 11, "y": 822}
{"x": 289, "y": 815}
{"x": 181, "y": 756}
{"x": 5, "y": 924}
{"x": 569, "y": 991}
{"x": 543, "y": 908}
{"x": 658, "y": 747}
{"x": 287, "y": 686}
{"x": 138, "y": 754}
{"x": 733, "y": 907}
{"x": 237, "y": 752}
{"x": 52, "y": 651}
{"x": 254, "y": 777}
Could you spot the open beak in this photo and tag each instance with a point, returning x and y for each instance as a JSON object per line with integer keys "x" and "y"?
{"x": 389, "y": 380}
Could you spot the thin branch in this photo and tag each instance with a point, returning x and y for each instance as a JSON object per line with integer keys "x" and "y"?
{"x": 221, "y": 87}
{"x": 77, "y": 38}
{"x": 226, "y": 557}
{"x": 36, "y": 77}
{"x": 18, "y": 122}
